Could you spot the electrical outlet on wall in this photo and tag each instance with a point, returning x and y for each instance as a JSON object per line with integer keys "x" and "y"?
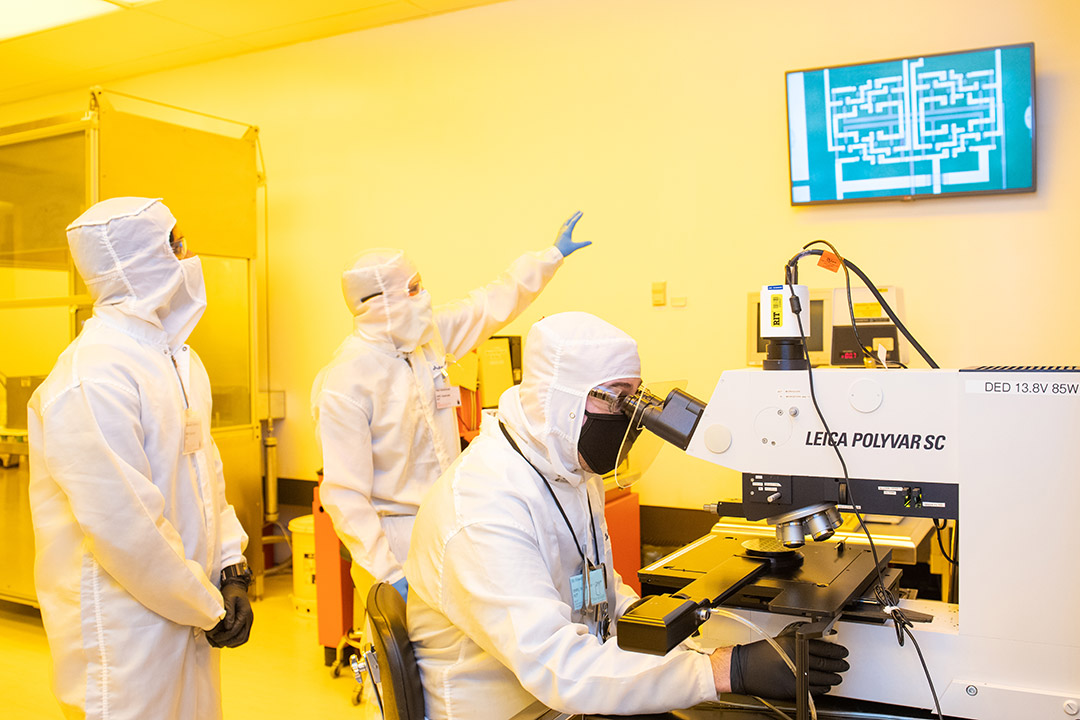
{"x": 659, "y": 294}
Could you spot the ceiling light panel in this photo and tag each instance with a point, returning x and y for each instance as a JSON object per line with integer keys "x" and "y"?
{"x": 23, "y": 18}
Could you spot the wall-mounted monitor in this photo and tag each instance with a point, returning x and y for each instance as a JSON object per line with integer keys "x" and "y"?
{"x": 957, "y": 123}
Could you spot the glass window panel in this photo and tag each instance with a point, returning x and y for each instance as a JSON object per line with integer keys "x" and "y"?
{"x": 223, "y": 339}
{"x": 42, "y": 189}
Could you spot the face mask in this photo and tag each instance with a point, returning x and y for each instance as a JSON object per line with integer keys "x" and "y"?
{"x": 411, "y": 321}
{"x": 601, "y": 439}
{"x": 187, "y": 304}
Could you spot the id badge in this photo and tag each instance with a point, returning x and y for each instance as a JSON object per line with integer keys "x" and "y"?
{"x": 597, "y": 584}
{"x": 577, "y": 591}
{"x": 447, "y": 397}
{"x": 192, "y": 432}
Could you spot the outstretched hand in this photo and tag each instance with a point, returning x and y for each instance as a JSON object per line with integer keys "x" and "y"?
{"x": 565, "y": 241}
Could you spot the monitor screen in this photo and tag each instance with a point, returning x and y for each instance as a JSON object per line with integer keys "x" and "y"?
{"x": 929, "y": 126}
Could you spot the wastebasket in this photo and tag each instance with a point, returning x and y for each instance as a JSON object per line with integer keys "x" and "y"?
{"x": 303, "y": 571}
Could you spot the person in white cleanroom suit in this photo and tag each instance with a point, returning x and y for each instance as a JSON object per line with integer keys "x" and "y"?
{"x": 384, "y": 411}
{"x": 139, "y": 566}
{"x": 495, "y": 619}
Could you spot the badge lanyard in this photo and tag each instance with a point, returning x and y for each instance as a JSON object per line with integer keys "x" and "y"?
{"x": 589, "y": 589}
{"x": 192, "y": 424}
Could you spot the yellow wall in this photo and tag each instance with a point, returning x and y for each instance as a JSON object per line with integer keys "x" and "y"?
{"x": 468, "y": 138}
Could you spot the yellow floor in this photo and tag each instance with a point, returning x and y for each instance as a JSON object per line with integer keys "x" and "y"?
{"x": 278, "y": 674}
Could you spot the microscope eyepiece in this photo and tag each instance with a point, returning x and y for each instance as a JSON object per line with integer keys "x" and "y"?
{"x": 673, "y": 419}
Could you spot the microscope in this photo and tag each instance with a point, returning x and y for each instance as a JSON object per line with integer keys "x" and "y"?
{"x": 996, "y": 449}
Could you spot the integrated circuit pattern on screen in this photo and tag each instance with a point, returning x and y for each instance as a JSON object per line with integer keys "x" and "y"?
{"x": 928, "y": 125}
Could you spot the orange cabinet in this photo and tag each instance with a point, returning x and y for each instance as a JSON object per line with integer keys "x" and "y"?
{"x": 623, "y": 514}
{"x": 333, "y": 585}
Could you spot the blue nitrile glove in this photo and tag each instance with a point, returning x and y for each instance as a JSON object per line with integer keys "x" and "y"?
{"x": 402, "y": 586}
{"x": 565, "y": 242}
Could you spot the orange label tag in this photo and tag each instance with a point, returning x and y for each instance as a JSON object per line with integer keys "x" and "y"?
{"x": 829, "y": 261}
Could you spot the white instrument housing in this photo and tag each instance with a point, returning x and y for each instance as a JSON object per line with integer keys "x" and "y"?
{"x": 1009, "y": 440}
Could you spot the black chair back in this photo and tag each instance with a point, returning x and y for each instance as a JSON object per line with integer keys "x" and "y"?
{"x": 400, "y": 690}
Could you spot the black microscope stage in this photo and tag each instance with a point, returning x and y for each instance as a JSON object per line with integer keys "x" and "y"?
{"x": 816, "y": 580}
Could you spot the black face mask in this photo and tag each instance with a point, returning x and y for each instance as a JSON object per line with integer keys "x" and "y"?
{"x": 601, "y": 438}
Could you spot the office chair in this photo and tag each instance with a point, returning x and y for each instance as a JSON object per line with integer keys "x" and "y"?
{"x": 388, "y": 660}
{"x": 390, "y": 665}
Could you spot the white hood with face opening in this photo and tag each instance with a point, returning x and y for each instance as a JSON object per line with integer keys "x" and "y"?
{"x": 565, "y": 356}
{"x": 392, "y": 316}
{"x": 121, "y": 248}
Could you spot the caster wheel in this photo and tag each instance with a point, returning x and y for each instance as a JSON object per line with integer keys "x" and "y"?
{"x": 358, "y": 695}
{"x": 335, "y": 670}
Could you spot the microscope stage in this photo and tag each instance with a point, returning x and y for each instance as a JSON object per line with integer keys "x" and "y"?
{"x": 816, "y": 580}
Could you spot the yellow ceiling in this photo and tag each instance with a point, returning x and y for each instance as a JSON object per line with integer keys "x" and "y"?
{"x": 170, "y": 33}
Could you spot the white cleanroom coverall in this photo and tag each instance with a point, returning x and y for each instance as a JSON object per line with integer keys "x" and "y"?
{"x": 131, "y": 531}
{"x": 384, "y": 437}
{"x": 490, "y": 606}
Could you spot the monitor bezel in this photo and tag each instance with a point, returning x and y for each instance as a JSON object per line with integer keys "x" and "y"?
{"x": 939, "y": 196}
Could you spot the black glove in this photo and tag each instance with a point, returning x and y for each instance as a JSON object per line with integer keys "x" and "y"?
{"x": 233, "y": 629}
{"x": 757, "y": 669}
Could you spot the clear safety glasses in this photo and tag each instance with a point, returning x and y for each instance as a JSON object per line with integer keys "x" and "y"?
{"x": 614, "y": 400}
{"x": 414, "y": 288}
{"x": 618, "y": 400}
{"x": 178, "y": 245}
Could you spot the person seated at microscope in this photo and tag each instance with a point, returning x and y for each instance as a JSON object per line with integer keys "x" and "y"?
{"x": 513, "y": 595}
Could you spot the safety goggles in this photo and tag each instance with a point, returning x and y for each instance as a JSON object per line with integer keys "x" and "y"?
{"x": 618, "y": 400}
{"x": 414, "y": 288}
{"x": 613, "y": 400}
{"x": 178, "y": 245}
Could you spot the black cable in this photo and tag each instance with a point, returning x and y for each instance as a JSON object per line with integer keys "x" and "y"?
{"x": 941, "y": 545}
{"x": 866, "y": 352}
{"x": 851, "y": 306}
{"x": 954, "y": 574}
{"x": 582, "y": 548}
{"x": 794, "y": 274}
{"x": 828, "y": 433}
{"x": 892, "y": 315}
{"x": 791, "y": 272}
{"x": 862, "y": 347}
{"x": 922, "y": 661}
{"x": 883, "y": 595}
